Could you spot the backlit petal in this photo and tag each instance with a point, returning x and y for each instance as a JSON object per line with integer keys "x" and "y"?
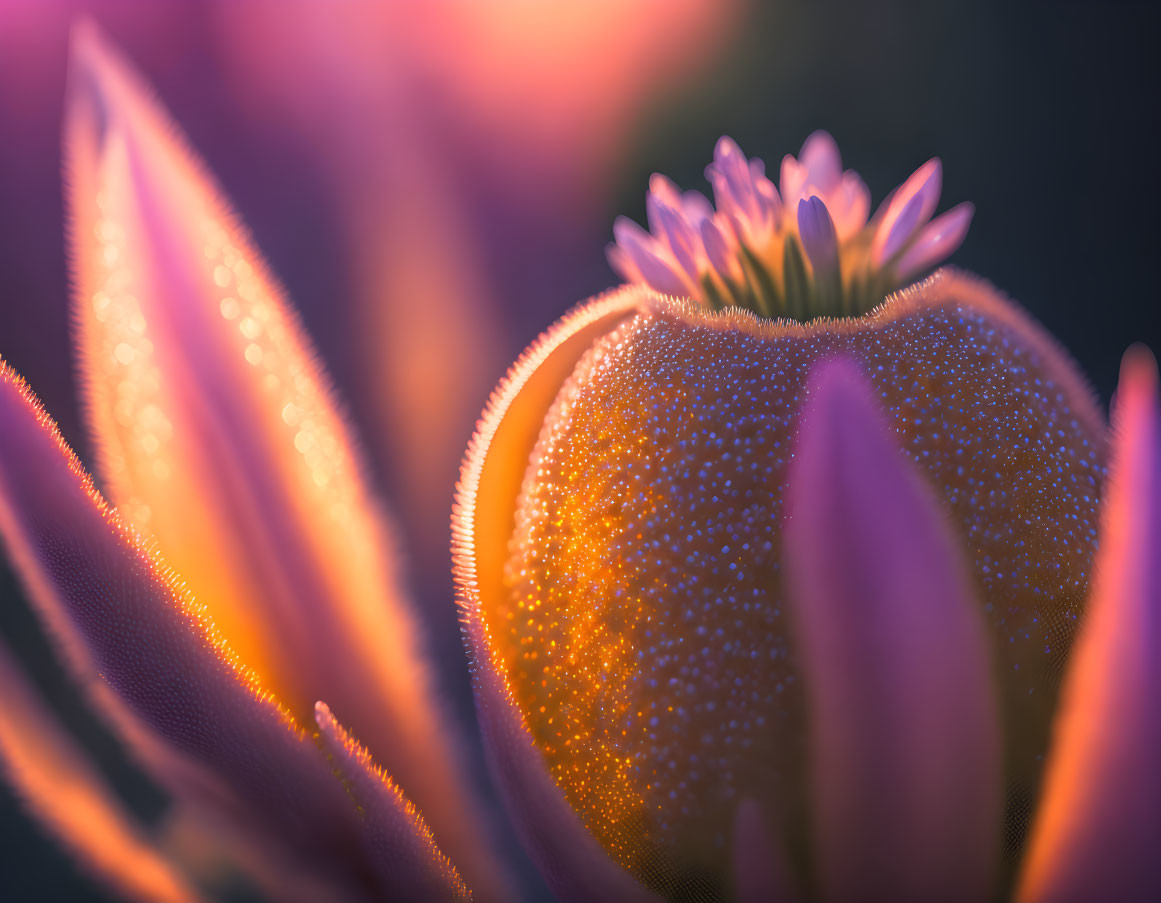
{"x": 203, "y": 725}
{"x": 909, "y": 208}
{"x": 817, "y": 231}
{"x": 903, "y": 727}
{"x": 575, "y": 866}
{"x": 820, "y": 156}
{"x": 409, "y": 864}
{"x": 936, "y": 241}
{"x": 219, "y": 437}
{"x": 1098, "y": 832}
{"x": 67, "y": 795}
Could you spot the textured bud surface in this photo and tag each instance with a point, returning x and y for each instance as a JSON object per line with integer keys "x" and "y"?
{"x": 643, "y": 633}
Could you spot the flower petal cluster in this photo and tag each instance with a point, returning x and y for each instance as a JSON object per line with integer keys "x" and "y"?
{"x": 802, "y": 249}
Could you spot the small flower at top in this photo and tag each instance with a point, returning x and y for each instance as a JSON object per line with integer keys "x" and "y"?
{"x": 801, "y": 250}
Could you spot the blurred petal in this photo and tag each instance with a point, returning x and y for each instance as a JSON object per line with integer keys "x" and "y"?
{"x": 204, "y": 726}
{"x": 1098, "y": 831}
{"x": 645, "y": 253}
{"x": 733, "y": 171}
{"x": 937, "y": 241}
{"x": 68, "y": 796}
{"x": 409, "y": 864}
{"x": 440, "y": 193}
{"x": 723, "y": 258}
{"x": 895, "y": 663}
{"x": 910, "y": 206}
{"x": 791, "y": 180}
{"x": 761, "y": 873}
{"x": 816, "y": 229}
{"x": 820, "y": 156}
{"x": 575, "y": 866}
{"x": 851, "y": 215}
{"x": 678, "y": 233}
{"x": 622, "y": 263}
{"x": 219, "y": 437}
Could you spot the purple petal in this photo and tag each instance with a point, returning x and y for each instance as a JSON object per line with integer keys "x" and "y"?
{"x": 675, "y": 232}
{"x": 643, "y": 251}
{"x": 663, "y": 188}
{"x": 1098, "y": 831}
{"x": 854, "y": 206}
{"x": 761, "y": 873}
{"x": 696, "y": 208}
{"x": 575, "y": 866}
{"x": 622, "y": 263}
{"x": 936, "y": 242}
{"x": 723, "y": 258}
{"x": 733, "y": 187}
{"x": 894, "y": 658}
{"x": 729, "y": 161}
{"x": 791, "y": 180}
{"x": 911, "y": 206}
{"x": 820, "y": 156}
{"x": 219, "y": 436}
{"x": 64, "y": 792}
{"x": 129, "y": 629}
{"x": 398, "y": 842}
{"x": 693, "y": 205}
{"x": 818, "y": 235}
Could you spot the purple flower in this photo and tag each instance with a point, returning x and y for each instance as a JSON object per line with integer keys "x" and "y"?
{"x": 801, "y": 250}
{"x": 756, "y": 608}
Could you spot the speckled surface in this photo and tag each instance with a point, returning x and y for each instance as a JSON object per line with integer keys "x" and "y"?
{"x": 644, "y": 632}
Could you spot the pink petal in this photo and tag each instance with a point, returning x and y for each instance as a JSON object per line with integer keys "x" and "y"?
{"x": 911, "y": 205}
{"x": 696, "y": 208}
{"x": 69, "y": 797}
{"x": 622, "y": 263}
{"x": 649, "y": 258}
{"x": 820, "y": 155}
{"x": 733, "y": 182}
{"x": 203, "y": 725}
{"x": 219, "y": 436}
{"x": 1098, "y": 831}
{"x": 791, "y": 180}
{"x": 409, "y": 864}
{"x": 851, "y": 214}
{"x": 677, "y": 233}
{"x": 575, "y": 866}
{"x": 895, "y": 664}
{"x": 664, "y": 189}
{"x": 936, "y": 242}
{"x": 722, "y": 255}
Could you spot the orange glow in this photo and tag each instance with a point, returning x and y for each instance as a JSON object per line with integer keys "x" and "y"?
{"x": 220, "y": 438}
{"x": 1107, "y": 727}
{"x": 583, "y": 581}
{"x": 60, "y": 787}
{"x": 414, "y": 111}
{"x": 485, "y": 519}
{"x": 155, "y": 569}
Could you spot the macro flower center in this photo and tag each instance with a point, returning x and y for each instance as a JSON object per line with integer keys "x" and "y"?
{"x": 801, "y": 250}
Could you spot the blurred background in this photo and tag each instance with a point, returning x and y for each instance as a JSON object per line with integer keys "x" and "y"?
{"x": 435, "y": 183}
